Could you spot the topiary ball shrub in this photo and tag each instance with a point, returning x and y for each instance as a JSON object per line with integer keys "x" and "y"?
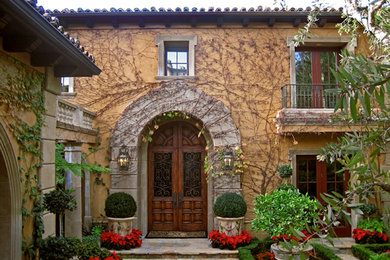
{"x": 120, "y": 205}
{"x": 285, "y": 171}
{"x": 230, "y": 205}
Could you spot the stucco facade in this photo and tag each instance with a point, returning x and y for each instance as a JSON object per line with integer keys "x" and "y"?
{"x": 242, "y": 68}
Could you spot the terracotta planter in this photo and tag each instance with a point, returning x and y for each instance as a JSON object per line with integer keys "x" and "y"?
{"x": 230, "y": 226}
{"x": 121, "y": 226}
{"x": 282, "y": 253}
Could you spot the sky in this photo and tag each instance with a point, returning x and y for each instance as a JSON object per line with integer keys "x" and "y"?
{"x": 92, "y": 4}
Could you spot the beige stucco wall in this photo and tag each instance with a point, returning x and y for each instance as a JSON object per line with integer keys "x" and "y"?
{"x": 245, "y": 68}
{"x": 46, "y": 174}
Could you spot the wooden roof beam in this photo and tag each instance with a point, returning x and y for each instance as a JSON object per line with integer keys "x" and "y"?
{"x": 16, "y": 43}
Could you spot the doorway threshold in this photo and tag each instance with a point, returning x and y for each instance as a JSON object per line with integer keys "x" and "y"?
{"x": 176, "y": 234}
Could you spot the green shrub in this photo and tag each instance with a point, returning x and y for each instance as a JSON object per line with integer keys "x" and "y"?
{"x": 285, "y": 171}
{"x": 97, "y": 230}
{"x": 369, "y": 252}
{"x": 87, "y": 249}
{"x": 59, "y": 248}
{"x": 230, "y": 205}
{"x": 324, "y": 252}
{"x": 375, "y": 224}
{"x": 368, "y": 209}
{"x": 57, "y": 201}
{"x": 255, "y": 247}
{"x": 120, "y": 205}
{"x": 278, "y": 212}
{"x": 287, "y": 187}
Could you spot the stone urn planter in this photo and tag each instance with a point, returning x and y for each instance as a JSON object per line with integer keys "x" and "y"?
{"x": 121, "y": 226}
{"x": 230, "y": 209}
{"x": 282, "y": 253}
{"x": 120, "y": 210}
{"x": 230, "y": 226}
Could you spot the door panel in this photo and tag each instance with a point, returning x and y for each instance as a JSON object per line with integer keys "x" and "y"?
{"x": 314, "y": 178}
{"x": 177, "y": 185}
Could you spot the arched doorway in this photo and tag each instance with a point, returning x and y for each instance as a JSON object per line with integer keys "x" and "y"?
{"x": 5, "y": 211}
{"x": 177, "y": 187}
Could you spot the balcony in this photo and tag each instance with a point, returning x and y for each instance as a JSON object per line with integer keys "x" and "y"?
{"x": 74, "y": 118}
{"x": 308, "y": 108}
{"x": 309, "y": 96}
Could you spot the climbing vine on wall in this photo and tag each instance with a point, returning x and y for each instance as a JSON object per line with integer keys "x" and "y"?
{"x": 22, "y": 93}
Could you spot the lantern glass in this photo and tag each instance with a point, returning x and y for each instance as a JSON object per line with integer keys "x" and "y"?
{"x": 228, "y": 161}
{"x": 123, "y": 159}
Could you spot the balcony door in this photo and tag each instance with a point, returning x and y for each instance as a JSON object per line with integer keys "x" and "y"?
{"x": 177, "y": 195}
{"x": 313, "y": 77}
{"x": 315, "y": 177}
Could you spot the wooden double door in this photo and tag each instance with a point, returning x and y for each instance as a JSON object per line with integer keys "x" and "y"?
{"x": 177, "y": 188}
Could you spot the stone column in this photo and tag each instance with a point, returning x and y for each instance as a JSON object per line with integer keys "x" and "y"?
{"x": 87, "y": 201}
{"x": 47, "y": 171}
{"x": 73, "y": 219}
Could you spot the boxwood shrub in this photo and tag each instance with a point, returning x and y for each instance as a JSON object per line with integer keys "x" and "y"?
{"x": 230, "y": 205}
{"x": 324, "y": 252}
{"x": 369, "y": 251}
{"x": 120, "y": 205}
{"x": 255, "y": 247}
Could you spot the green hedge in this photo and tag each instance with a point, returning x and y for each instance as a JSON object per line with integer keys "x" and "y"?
{"x": 324, "y": 252}
{"x": 369, "y": 251}
{"x": 256, "y": 246}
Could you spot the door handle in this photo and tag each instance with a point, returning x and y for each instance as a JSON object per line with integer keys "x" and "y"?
{"x": 174, "y": 200}
{"x": 180, "y": 199}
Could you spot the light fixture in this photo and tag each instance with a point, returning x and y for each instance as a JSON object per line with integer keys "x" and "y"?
{"x": 227, "y": 161}
{"x": 123, "y": 158}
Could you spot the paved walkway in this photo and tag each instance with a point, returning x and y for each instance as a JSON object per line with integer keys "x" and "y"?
{"x": 186, "y": 248}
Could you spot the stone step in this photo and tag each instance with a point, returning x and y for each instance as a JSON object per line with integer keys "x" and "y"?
{"x": 183, "y": 248}
{"x": 347, "y": 257}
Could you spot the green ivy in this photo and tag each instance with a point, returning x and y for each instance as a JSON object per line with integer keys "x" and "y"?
{"x": 24, "y": 92}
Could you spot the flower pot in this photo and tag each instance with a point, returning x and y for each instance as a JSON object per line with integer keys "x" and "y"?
{"x": 282, "y": 253}
{"x": 230, "y": 226}
{"x": 121, "y": 226}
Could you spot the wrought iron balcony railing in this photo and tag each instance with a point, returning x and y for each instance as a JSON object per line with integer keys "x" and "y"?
{"x": 309, "y": 96}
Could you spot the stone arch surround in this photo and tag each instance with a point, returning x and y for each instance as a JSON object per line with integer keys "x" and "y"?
{"x": 173, "y": 96}
{"x": 15, "y": 194}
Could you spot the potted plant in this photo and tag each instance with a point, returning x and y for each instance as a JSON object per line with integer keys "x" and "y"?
{"x": 120, "y": 210}
{"x": 285, "y": 171}
{"x": 230, "y": 209}
{"x": 284, "y": 214}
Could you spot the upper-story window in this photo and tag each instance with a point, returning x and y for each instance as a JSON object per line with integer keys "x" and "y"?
{"x": 176, "y": 56}
{"x": 314, "y": 77}
{"x": 67, "y": 84}
{"x": 311, "y": 68}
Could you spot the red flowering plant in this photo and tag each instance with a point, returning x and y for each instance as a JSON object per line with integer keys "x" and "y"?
{"x": 369, "y": 237}
{"x": 222, "y": 241}
{"x": 111, "y": 240}
{"x": 370, "y": 231}
{"x": 265, "y": 256}
{"x": 112, "y": 256}
{"x": 283, "y": 238}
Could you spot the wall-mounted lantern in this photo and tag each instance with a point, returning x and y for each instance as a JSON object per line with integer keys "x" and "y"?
{"x": 123, "y": 158}
{"x": 227, "y": 161}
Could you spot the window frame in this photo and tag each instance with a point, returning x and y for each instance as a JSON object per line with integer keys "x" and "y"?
{"x": 341, "y": 42}
{"x": 160, "y": 43}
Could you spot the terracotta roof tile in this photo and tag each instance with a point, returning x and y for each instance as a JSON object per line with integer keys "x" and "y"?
{"x": 195, "y": 9}
{"x": 48, "y": 15}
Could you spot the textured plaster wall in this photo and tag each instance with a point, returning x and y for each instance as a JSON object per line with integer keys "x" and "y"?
{"x": 244, "y": 68}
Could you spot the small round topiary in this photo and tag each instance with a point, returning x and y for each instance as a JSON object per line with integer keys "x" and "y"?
{"x": 230, "y": 205}
{"x": 285, "y": 170}
{"x": 120, "y": 205}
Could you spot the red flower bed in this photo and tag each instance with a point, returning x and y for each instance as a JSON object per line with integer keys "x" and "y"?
{"x": 265, "y": 256}
{"x": 369, "y": 237}
{"x": 113, "y": 256}
{"x": 223, "y": 241}
{"x": 111, "y": 240}
{"x": 288, "y": 238}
